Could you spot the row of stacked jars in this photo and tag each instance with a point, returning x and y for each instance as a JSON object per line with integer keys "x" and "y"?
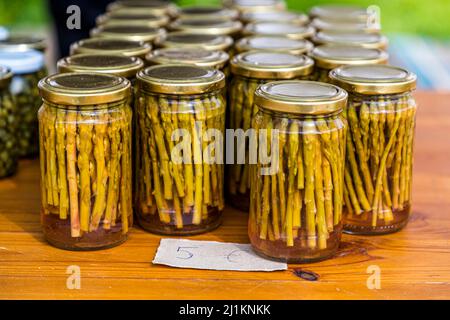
{"x": 166, "y": 204}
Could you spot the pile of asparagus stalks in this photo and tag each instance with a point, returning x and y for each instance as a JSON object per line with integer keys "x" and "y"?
{"x": 184, "y": 192}
{"x": 86, "y": 168}
{"x": 379, "y": 157}
{"x": 303, "y": 200}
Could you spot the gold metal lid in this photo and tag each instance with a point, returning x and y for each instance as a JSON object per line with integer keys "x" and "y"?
{"x": 208, "y": 12}
{"x": 340, "y": 25}
{"x": 374, "y": 79}
{"x": 301, "y": 97}
{"x": 81, "y": 89}
{"x": 138, "y": 6}
{"x": 275, "y": 16}
{"x": 285, "y": 29}
{"x": 273, "y": 43}
{"x": 5, "y": 76}
{"x": 207, "y": 26}
{"x": 180, "y": 79}
{"x": 363, "y": 39}
{"x": 111, "y": 46}
{"x": 23, "y": 43}
{"x": 339, "y": 12}
{"x": 118, "y": 65}
{"x": 132, "y": 33}
{"x": 258, "y": 5}
{"x": 196, "y": 56}
{"x": 330, "y": 56}
{"x": 183, "y": 39}
{"x": 271, "y": 65}
{"x": 142, "y": 19}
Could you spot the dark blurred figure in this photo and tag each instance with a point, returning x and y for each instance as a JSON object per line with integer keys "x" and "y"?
{"x": 90, "y": 9}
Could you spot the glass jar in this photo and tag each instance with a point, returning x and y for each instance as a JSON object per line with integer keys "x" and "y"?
{"x": 330, "y": 56}
{"x": 224, "y": 27}
{"x": 155, "y": 7}
{"x": 274, "y": 43}
{"x": 356, "y": 38}
{"x": 28, "y": 68}
{"x": 244, "y": 6}
{"x": 111, "y": 46}
{"x": 280, "y": 29}
{"x": 249, "y": 70}
{"x": 196, "y": 56}
{"x": 138, "y": 19}
{"x": 85, "y": 141}
{"x": 8, "y": 126}
{"x": 208, "y": 12}
{"x": 297, "y": 188}
{"x": 130, "y": 32}
{"x": 180, "y": 193}
{"x": 275, "y": 16}
{"x": 378, "y": 177}
{"x": 183, "y": 39}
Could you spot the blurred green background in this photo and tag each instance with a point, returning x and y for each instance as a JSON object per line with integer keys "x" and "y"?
{"x": 431, "y": 18}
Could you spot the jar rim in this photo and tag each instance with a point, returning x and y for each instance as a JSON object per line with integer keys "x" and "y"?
{"x": 267, "y": 42}
{"x": 206, "y": 41}
{"x": 197, "y": 56}
{"x": 275, "y": 16}
{"x": 128, "y": 32}
{"x": 220, "y": 26}
{"x": 258, "y": 5}
{"x": 360, "y": 38}
{"x": 19, "y": 42}
{"x": 285, "y": 29}
{"x": 111, "y": 46}
{"x": 208, "y": 11}
{"x": 301, "y": 97}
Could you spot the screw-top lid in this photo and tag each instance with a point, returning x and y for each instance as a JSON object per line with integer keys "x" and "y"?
{"x": 374, "y": 79}
{"x": 183, "y": 39}
{"x": 258, "y": 5}
{"x": 341, "y": 25}
{"x": 273, "y": 43}
{"x": 111, "y": 46}
{"x": 132, "y": 33}
{"x": 301, "y": 97}
{"x": 22, "y": 62}
{"x": 117, "y": 65}
{"x": 141, "y": 19}
{"x": 4, "y": 33}
{"x": 363, "y": 39}
{"x": 207, "y": 26}
{"x": 339, "y": 12}
{"x": 332, "y": 56}
{"x": 81, "y": 89}
{"x": 271, "y": 65}
{"x": 196, "y": 56}
{"x": 180, "y": 79}
{"x": 275, "y": 16}
{"x": 23, "y": 43}
{"x": 137, "y": 6}
{"x": 5, "y": 76}
{"x": 208, "y": 12}
{"x": 288, "y": 30}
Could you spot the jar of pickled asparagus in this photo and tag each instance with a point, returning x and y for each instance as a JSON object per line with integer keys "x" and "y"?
{"x": 249, "y": 70}
{"x": 280, "y": 29}
{"x": 111, "y": 46}
{"x": 244, "y": 6}
{"x": 196, "y": 56}
{"x": 28, "y": 67}
{"x": 274, "y": 43}
{"x": 138, "y": 19}
{"x": 8, "y": 126}
{"x": 129, "y": 32}
{"x": 378, "y": 175}
{"x": 275, "y": 16}
{"x": 181, "y": 123}
{"x": 221, "y": 26}
{"x": 208, "y": 12}
{"x": 297, "y": 182}
{"x": 330, "y": 56}
{"x": 356, "y": 38}
{"x": 85, "y": 142}
{"x": 185, "y": 39}
{"x": 155, "y": 7}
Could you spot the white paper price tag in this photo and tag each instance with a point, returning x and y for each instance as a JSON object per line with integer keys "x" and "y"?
{"x": 212, "y": 255}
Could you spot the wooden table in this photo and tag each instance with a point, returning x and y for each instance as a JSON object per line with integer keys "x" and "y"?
{"x": 414, "y": 263}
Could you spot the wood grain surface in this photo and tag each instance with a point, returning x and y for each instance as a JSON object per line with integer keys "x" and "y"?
{"x": 414, "y": 263}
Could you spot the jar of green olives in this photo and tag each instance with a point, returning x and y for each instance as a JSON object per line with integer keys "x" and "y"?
{"x": 85, "y": 144}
